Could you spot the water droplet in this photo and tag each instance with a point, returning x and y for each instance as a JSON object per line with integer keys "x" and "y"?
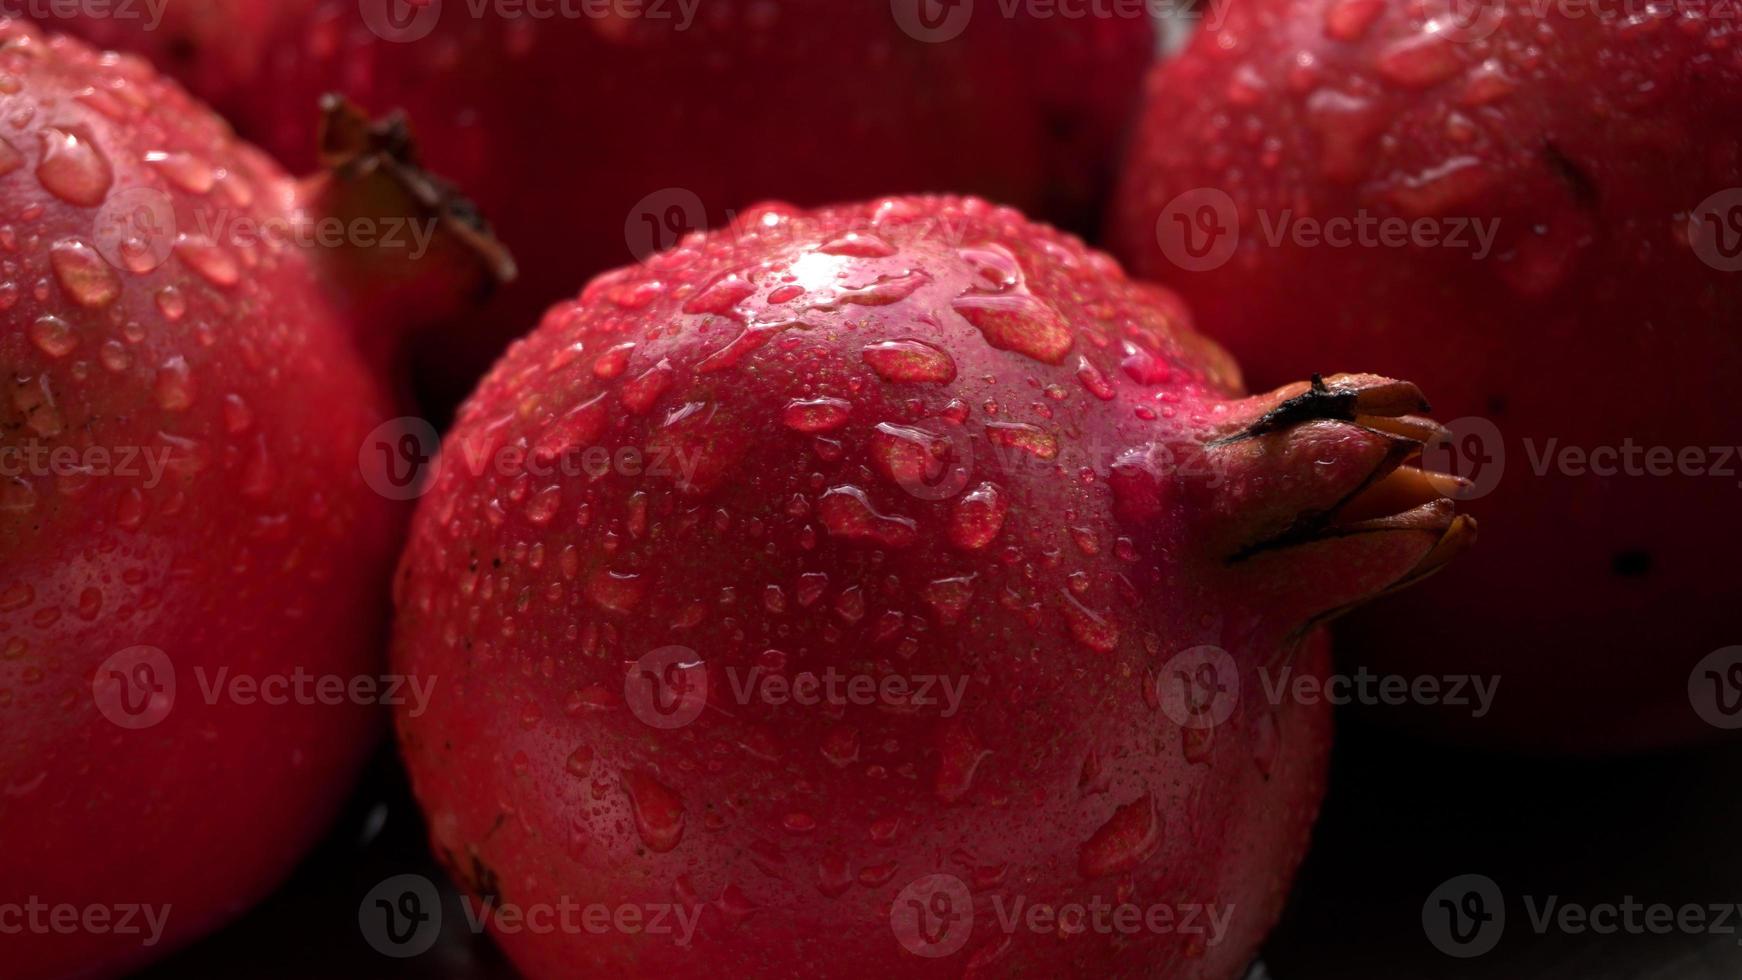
{"x": 73, "y": 169}
{"x": 1031, "y": 439}
{"x": 658, "y": 812}
{"x": 581, "y": 427}
{"x": 1129, "y": 836}
{"x": 960, "y": 754}
{"x": 977, "y": 517}
{"x": 544, "y": 505}
{"x": 841, "y": 746}
{"x": 175, "y": 386}
{"x": 211, "y": 261}
{"x": 1142, "y": 366}
{"x": 618, "y": 592}
{"x": 83, "y": 274}
{"x": 10, "y": 158}
{"x": 859, "y": 245}
{"x": 1089, "y": 628}
{"x": 580, "y": 761}
{"x": 1349, "y": 20}
{"x": 908, "y": 456}
{"x": 882, "y": 291}
{"x": 1420, "y": 61}
{"x": 17, "y": 495}
{"x": 1451, "y": 185}
{"x": 909, "y": 361}
{"x": 114, "y": 356}
{"x": 1018, "y": 322}
{"x": 613, "y": 362}
{"x": 1093, "y": 380}
{"x": 847, "y": 514}
{"x": 53, "y": 336}
{"x": 641, "y": 393}
{"x": 171, "y": 303}
{"x": 721, "y": 295}
{"x": 816, "y": 414}
{"x": 751, "y": 338}
{"x": 949, "y": 597}
{"x": 995, "y": 267}
{"x": 184, "y": 170}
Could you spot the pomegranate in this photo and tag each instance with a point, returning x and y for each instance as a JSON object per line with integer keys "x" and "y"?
{"x": 638, "y": 122}
{"x": 191, "y": 559}
{"x": 1526, "y": 259}
{"x": 889, "y": 586}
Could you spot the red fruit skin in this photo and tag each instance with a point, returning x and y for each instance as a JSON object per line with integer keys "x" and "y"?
{"x": 791, "y": 829}
{"x": 1594, "y": 321}
{"x": 258, "y": 550}
{"x": 812, "y": 101}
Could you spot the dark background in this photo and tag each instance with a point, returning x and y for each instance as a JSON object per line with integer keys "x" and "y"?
{"x": 1401, "y": 818}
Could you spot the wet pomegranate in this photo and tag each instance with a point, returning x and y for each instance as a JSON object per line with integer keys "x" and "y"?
{"x": 895, "y": 587}
{"x": 1477, "y": 199}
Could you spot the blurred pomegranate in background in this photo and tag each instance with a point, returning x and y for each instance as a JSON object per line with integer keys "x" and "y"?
{"x": 595, "y": 136}
{"x": 1532, "y": 210}
{"x": 1002, "y": 514}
